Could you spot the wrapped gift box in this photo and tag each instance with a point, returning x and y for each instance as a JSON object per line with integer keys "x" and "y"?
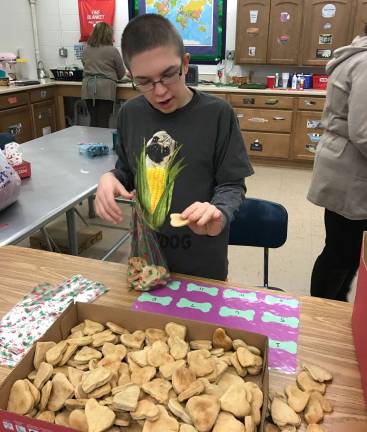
{"x": 23, "y": 169}
{"x": 359, "y": 319}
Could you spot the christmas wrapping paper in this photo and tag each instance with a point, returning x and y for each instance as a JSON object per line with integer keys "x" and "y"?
{"x": 37, "y": 311}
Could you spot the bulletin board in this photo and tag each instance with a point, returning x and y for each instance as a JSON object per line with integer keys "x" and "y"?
{"x": 201, "y": 24}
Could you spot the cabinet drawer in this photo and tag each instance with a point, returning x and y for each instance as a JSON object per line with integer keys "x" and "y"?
{"x": 264, "y": 120}
{"x": 310, "y": 103}
{"x": 262, "y": 144}
{"x": 41, "y": 94}
{"x": 219, "y": 95}
{"x": 256, "y": 101}
{"x": 12, "y": 100}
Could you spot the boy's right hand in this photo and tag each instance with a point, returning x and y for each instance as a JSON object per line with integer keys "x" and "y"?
{"x": 108, "y": 189}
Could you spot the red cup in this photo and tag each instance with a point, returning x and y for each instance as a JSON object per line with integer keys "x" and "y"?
{"x": 270, "y": 81}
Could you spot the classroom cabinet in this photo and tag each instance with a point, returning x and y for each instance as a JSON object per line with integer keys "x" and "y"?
{"x": 296, "y": 32}
{"x": 17, "y": 121}
{"x": 327, "y": 26}
{"x": 28, "y": 114}
{"x": 308, "y": 131}
{"x": 360, "y": 20}
{"x": 44, "y": 118}
{"x": 266, "y": 124}
{"x": 284, "y": 31}
{"x": 252, "y": 31}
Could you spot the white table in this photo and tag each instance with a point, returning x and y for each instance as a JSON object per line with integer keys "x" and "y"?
{"x": 61, "y": 178}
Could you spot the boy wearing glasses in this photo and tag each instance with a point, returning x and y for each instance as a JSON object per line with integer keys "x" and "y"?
{"x": 211, "y": 186}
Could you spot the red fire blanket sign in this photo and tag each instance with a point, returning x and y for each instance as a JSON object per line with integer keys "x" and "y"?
{"x": 92, "y": 12}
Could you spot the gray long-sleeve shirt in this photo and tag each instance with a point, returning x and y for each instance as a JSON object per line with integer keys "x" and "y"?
{"x": 216, "y": 165}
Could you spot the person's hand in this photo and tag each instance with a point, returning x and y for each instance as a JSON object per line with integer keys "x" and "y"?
{"x": 204, "y": 218}
{"x": 108, "y": 189}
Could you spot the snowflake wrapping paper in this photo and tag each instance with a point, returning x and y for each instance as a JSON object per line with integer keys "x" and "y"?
{"x": 29, "y": 319}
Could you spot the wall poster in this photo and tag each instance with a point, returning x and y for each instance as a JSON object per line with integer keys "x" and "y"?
{"x": 91, "y": 12}
{"x": 201, "y": 23}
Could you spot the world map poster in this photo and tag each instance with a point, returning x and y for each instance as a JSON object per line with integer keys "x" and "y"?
{"x": 201, "y": 24}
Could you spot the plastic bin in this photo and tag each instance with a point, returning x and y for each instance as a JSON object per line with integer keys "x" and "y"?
{"x": 67, "y": 74}
{"x": 319, "y": 82}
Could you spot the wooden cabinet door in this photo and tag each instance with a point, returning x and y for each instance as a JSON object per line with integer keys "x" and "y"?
{"x": 326, "y": 27}
{"x": 360, "y": 18}
{"x": 284, "y": 32}
{"x": 18, "y": 122}
{"x": 308, "y": 131}
{"x": 252, "y": 31}
{"x": 44, "y": 118}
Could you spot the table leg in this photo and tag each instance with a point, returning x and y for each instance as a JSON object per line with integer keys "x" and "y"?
{"x": 72, "y": 232}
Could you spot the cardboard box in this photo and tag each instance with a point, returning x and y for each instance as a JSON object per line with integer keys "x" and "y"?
{"x": 132, "y": 320}
{"x": 359, "y": 318}
{"x": 87, "y": 237}
{"x": 23, "y": 169}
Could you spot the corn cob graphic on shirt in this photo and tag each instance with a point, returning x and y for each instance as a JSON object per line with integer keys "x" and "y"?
{"x": 157, "y": 169}
{"x": 159, "y": 151}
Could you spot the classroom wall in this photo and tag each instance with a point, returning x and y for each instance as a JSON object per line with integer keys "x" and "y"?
{"x": 58, "y": 26}
{"x": 16, "y": 33}
{"x": 58, "y": 23}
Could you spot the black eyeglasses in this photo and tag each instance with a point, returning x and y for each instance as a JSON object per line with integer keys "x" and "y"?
{"x": 167, "y": 79}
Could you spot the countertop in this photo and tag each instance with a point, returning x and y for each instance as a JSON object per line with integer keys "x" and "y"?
{"x": 209, "y": 87}
{"x": 325, "y": 335}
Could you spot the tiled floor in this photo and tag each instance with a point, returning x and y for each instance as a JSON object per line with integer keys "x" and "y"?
{"x": 290, "y": 265}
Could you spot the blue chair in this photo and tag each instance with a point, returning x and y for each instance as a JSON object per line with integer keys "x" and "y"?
{"x": 260, "y": 223}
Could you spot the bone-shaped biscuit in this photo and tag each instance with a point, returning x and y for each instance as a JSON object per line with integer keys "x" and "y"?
{"x": 192, "y": 287}
{"x": 146, "y": 297}
{"x": 269, "y": 317}
{"x": 273, "y": 300}
{"x": 225, "y": 311}
{"x": 288, "y": 346}
{"x": 235, "y": 294}
{"x": 185, "y": 303}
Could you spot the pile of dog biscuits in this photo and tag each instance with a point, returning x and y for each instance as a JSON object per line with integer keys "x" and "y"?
{"x": 105, "y": 378}
{"x": 304, "y": 400}
{"x": 141, "y": 276}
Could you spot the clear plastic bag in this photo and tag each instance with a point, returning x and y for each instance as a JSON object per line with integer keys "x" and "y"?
{"x": 9, "y": 183}
{"x": 147, "y": 267}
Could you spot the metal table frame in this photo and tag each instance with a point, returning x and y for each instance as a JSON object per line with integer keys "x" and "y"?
{"x": 56, "y": 156}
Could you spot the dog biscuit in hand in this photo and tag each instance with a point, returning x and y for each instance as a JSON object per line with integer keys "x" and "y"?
{"x": 177, "y": 221}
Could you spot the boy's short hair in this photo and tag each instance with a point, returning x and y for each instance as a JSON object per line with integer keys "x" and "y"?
{"x": 146, "y": 32}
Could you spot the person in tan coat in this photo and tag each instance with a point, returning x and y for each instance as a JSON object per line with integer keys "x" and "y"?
{"x": 339, "y": 182}
{"x": 103, "y": 66}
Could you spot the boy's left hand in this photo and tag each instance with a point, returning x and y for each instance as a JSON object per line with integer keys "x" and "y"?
{"x": 204, "y": 218}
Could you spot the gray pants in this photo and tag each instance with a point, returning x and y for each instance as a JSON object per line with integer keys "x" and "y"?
{"x": 100, "y": 113}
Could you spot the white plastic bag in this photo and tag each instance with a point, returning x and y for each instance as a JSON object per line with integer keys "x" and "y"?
{"x": 9, "y": 183}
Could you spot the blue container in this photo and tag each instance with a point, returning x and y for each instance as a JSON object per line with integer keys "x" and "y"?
{"x": 308, "y": 81}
